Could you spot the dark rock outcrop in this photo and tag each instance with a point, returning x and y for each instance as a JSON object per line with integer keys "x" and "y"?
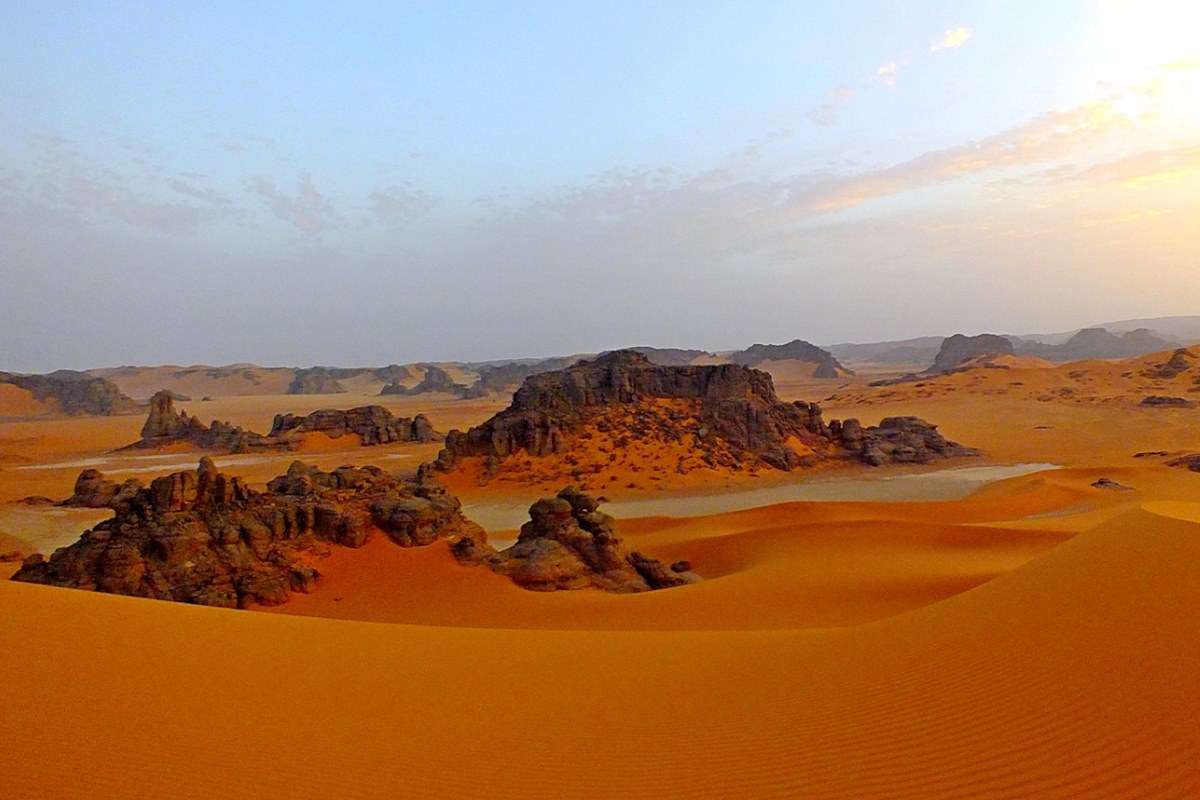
{"x": 205, "y": 537}
{"x": 958, "y": 349}
{"x": 733, "y": 415}
{"x": 1189, "y": 462}
{"x": 1163, "y": 401}
{"x": 165, "y": 426}
{"x": 569, "y": 544}
{"x": 93, "y": 490}
{"x": 373, "y": 425}
{"x": 315, "y": 380}
{"x": 797, "y": 349}
{"x": 1179, "y": 362}
{"x": 435, "y": 379}
{"x": 1110, "y": 485}
{"x": 74, "y": 392}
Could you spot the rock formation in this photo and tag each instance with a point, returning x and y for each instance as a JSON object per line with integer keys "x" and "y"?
{"x": 1189, "y": 462}
{"x": 726, "y": 414}
{"x": 798, "y": 350}
{"x": 435, "y": 379}
{"x": 1179, "y": 362}
{"x": 373, "y": 425}
{"x": 314, "y": 380}
{"x": 1163, "y": 401}
{"x": 569, "y": 544}
{"x": 205, "y": 537}
{"x": 958, "y": 349}
{"x": 1098, "y": 343}
{"x": 165, "y": 426}
{"x": 74, "y": 392}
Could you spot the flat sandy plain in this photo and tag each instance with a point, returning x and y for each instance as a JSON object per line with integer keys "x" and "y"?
{"x": 1036, "y": 638}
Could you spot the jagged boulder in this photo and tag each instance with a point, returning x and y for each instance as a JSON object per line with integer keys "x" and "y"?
{"x": 205, "y": 537}
{"x": 569, "y": 543}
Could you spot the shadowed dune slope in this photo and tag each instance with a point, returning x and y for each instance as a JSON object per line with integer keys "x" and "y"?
{"x": 1073, "y": 676}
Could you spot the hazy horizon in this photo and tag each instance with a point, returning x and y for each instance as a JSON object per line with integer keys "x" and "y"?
{"x": 296, "y": 186}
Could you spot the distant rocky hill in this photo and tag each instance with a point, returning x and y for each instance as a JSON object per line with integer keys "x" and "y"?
{"x": 959, "y": 349}
{"x": 797, "y": 350}
{"x": 1092, "y": 343}
{"x": 372, "y": 424}
{"x": 435, "y": 379}
{"x": 70, "y": 392}
{"x": 620, "y": 409}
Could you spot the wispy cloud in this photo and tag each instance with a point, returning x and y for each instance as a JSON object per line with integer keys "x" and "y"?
{"x": 952, "y": 39}
{"x": 309, "y": 210}
{"x": 398, "y": 205}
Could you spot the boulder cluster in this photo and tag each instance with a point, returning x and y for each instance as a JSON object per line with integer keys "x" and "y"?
{"x": 373, "y": 425}
{"x": 734, "y": 416}
{"x": 569, "y": 543}
{"x": 205, "y": 537}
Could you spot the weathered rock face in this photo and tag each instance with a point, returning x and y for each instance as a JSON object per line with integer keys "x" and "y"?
{"x": 205, "y": 537}
{"x": 435, "y": 379}
{"x": 569, "y": 544}
{"x": 373, "y": 424}
{"x": 798, "y": 350}
{"x": 732, "y": 414}
{"x": 75, "y": 392}
{"x": 958, "y": 349}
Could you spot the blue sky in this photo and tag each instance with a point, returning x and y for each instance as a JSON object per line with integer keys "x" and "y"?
{"x": 293, "y": 183}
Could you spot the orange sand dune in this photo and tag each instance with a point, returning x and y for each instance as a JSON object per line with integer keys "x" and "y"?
{"x": 1073, "y": 676}
{"x": 18, "y": 402}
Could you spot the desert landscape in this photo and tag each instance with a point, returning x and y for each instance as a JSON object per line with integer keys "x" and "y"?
{"x": 970, "y": 622}
{"x": 674, "y": 400}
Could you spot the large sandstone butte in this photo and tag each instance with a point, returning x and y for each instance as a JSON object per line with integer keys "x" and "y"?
{"x": 569, "y": 543}
{"x": 74, "y": 392}
{"x": 205, "y": 537}
{"x": 621, "y": 408}
{"x": 959, "y": 349}
{"x": 372, "y": 424}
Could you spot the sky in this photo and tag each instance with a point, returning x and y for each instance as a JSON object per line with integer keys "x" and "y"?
{"x": 298, "y": 183}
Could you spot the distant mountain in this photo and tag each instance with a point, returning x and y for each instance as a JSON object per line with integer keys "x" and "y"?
{"x": 795, "y": 350}
{"x": 1185, "y": 329}
{"x": 1092, "y": 343}
{"x": 919, "y": 350}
